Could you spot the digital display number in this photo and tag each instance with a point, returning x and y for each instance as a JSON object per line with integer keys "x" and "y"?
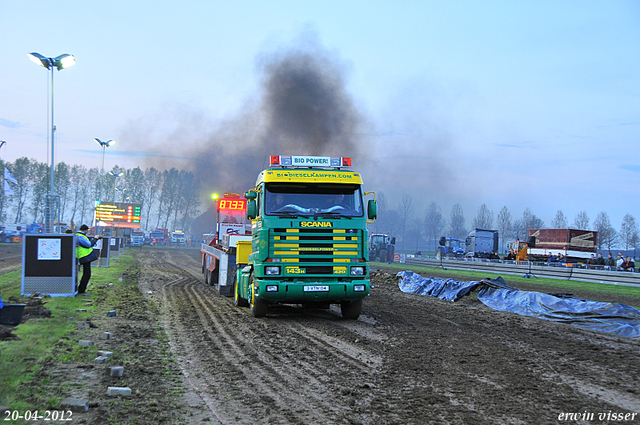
{"x": 232, "y": 204}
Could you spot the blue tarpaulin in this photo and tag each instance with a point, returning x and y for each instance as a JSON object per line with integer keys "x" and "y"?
{"x": 495, "y": 293}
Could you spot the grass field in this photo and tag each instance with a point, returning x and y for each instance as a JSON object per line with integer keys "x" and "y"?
{"x": 21, "y": 359}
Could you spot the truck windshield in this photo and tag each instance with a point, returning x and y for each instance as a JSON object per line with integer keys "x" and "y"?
{"x": 309, "y": 199}
{"x": 455, "y": 243}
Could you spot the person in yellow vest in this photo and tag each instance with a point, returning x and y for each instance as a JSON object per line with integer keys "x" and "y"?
{"x": 85, "y": 255}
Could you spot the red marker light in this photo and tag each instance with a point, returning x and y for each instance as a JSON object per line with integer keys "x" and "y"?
{"x": 346, "y": 162}
{"x": 275, "y": 160}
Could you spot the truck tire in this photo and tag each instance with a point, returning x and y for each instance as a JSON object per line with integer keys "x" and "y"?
{"x": 238, "y": 301}
{"x": 383, "y": 255}
{"x": 351, "y": 309}
{"x": 7, "y": 240}
{"x": 257, "y": 306}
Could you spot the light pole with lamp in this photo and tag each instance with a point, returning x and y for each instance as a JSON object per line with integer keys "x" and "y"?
{"x": 59, "y": 62}
{"x": 115, "y": 182}
{"x": 104, "y": 145}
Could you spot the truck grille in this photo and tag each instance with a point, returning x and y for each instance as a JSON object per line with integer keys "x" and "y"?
{"x": 315, "y": 251}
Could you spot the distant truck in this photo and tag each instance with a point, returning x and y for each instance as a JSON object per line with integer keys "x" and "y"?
{"x": 574, "y": 245}
{"x": 178, "y": 238}
{"x": 381, "y": 247}
{"x": 159, "y": 237}
{"x": 12, "y": 233}
{"x": 479, "y": 241}
{"x": 136, "y": 238}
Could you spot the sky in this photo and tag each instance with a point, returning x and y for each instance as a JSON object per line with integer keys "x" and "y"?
{"x": 520, "y": 104}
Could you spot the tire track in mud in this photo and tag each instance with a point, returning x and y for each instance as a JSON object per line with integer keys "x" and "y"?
{"x": 287, "y": 370}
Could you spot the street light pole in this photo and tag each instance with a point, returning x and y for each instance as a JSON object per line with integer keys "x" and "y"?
{"x": 104, "y": 145}
{"x": 60, "y": 62}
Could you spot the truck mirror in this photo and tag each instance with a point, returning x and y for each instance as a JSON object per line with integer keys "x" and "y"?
{"x": 252, "y": 212}
{"x": 393, "y": 240}
{"x": 442, "y": 241}
{"x": 372, "y": 210}
{"x": 250, "y": 195}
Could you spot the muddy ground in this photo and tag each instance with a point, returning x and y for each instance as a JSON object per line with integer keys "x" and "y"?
{"x": 409, "y": 359}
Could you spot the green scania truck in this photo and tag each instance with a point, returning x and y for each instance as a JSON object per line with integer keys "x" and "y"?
{"x": 308, "y": 237}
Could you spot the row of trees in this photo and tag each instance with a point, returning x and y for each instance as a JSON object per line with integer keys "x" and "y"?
{"x": 415, "y": 229}
{"x": 170, "y": 198}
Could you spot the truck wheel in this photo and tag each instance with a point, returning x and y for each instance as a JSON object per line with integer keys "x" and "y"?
{"x": 257, "y": 306}
{"x": 7, "y": 240}
{"x": 351, "y": 309}
{"x": 383, "y": 255}
{"x": 238, "y": 301}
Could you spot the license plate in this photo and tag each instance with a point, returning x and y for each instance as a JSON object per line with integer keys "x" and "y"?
{"x": 316, "y": 288}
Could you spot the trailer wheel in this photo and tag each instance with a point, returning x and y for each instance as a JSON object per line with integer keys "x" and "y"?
{"x": 257, "y": 306}
{"x": 238, "y": 301}
{"x": 351, "y": 309}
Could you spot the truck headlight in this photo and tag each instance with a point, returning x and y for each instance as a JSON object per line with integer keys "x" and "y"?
{"x": 272, "y": 288}
{"x": 357, "y": 271}
{"x": 359, "y": 288}
{"x": 272, "y": 270}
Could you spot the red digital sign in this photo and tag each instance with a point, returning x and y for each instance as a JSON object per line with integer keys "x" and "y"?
{"x": 232, "y": 204}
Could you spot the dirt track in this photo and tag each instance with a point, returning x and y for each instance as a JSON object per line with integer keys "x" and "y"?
{"x": 409, "y": 359}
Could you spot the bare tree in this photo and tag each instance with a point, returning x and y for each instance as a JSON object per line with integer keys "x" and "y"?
{"x": 560, "y": 221}
{"x": 581, "y": 222}
{"x": 152, "y": 185}
{"x": 504, "y": 224}
{"x": 41, "y": 179}
{"x": 607, "y": 235}
{"x": 406, "y": 211}
{"x": 531, "y": 221}
{"x": 22, "y": 170}
{"x": 3, "y": 198}
{"x": 484, "y": 219}
{"x": 434, "y": 223}
{"x": 628, "y": 232}
{"x": 457, "y": 226}
{"x": 417, "y": 228}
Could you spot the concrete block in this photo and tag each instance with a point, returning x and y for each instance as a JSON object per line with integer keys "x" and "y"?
{"x": 75, "y": 404}
{"x": 85, "y": 343}
{"x": 106, "y": 335}
{"x": 111, "y": 313}
{"x": 115, "y": 371}
{"x": 101, "y": 359}
{"x": 118, "y": 391}
{"x": 105, "y": 353}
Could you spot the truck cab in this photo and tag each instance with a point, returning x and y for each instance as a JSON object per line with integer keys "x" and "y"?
{"x": 309, "y": 236}
{"x": 449, "y": 248}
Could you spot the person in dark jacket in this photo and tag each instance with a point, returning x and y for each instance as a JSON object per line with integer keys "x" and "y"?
{"x": 611, "y": 262}
{"x": 85, "y": 255}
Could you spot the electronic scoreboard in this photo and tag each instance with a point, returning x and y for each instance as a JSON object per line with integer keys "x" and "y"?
{"x": 118, "y": 214}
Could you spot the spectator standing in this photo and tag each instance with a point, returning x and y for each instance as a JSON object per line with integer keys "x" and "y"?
{"x": 85, "y": 255}
{"x": 600, "y": 260}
